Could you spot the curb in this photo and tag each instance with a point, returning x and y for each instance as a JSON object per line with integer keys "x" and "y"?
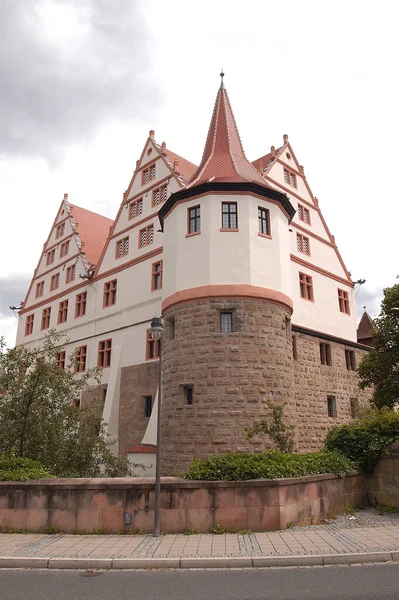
{"x": 199, "y": 562}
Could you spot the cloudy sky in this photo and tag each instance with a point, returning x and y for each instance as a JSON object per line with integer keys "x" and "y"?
{"x": 83, "y": 81}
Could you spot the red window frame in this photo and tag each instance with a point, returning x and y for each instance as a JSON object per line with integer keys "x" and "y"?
{"x": 39, "y": 289}
{"x": 80, "y": 359}
{"x": 146, "y": 234}
{"x": 303, "y": 244}
{"x": 50, "y": 257}
{"x": 343, "y": 302}
{"x": 62, "y": 311}
{"x": 104, "y": 353}
{"x": 46, "y": 314}
{"x": 29, "y": 324}
{"x": 151, "y": 347}
{"x": 304, "y": 214}
{"x": 59, "y": 232}
{"x": 60, "y": 358}
{"x": 156, "y": 275}
{"x": 159, "y": 195}
{"x": 70, "y": 273}
{"x": 109, "y": 297}
{"x": 80, "y": 304}
{"x": 64, "y": 249}
{"x": 122, "y": 247}
{"x": 290, "y": 177}
{"x": 306, "y": 287}
{"x": 55, "y": 282}
{"x": 135, "y": 208}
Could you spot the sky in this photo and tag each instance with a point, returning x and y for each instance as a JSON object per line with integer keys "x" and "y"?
{"x": 83, "y": 81}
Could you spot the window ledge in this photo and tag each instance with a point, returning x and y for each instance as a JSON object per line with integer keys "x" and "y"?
{"x": 233, "y": 229}
{"x": 264, "y": 235}
{"x": 192, "y": 234}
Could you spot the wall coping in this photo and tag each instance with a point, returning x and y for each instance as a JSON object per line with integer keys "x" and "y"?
{"x": 138, "y": 483}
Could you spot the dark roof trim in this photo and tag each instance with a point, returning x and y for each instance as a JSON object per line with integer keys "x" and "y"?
{"x": 222, "y": 186}
{"x": 329, "y": 338}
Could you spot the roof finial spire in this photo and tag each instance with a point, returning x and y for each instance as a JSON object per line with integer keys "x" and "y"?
{"x": 221, "y": 82}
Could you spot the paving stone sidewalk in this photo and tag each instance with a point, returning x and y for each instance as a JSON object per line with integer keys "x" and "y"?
{"x": 363, "y": 532}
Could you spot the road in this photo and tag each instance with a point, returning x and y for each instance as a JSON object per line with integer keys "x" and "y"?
{"x": 367, "y": 582}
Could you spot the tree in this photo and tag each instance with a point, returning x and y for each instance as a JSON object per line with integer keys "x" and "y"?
{"x": 381, "y": 366}
{"x": 274, "y": 426}
{"x": 38, "y": 419}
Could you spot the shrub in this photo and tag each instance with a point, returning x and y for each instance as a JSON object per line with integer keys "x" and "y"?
{"x": 240, "y": 466}
{"x": 366, "y": 438}
{"x": 15, "y": 468}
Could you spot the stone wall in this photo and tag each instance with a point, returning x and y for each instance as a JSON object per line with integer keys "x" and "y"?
{"x": 233, "y": 375}
{"x": 313, "y": 382}
{"x": 383, "y": 485}
{"x": 137, "y": 381}
{"x": 92, "y": 504}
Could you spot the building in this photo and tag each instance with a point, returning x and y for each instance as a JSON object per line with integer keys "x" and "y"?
{"x": 257, "y": 303}
{"x": 365, "y": 330}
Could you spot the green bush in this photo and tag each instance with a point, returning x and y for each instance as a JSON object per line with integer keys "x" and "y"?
{"x": 240, "y": 466}
{"x": 366, "y": 438}
{"x": 16, "y": 468}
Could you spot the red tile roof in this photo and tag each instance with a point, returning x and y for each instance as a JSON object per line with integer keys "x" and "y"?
{"x": 365, "y": 328}
{"x": 224, "y": 158}
{"x": 185, "y": 167}
{"x": 93, "y": 230}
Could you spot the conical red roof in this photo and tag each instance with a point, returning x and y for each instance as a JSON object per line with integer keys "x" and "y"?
{"x": 224, "y": 159}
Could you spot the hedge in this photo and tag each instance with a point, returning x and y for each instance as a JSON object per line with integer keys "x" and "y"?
{"x": 16, "y": 468}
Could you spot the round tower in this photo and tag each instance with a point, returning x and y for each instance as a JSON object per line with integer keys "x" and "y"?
{"x": 227, "y": 305}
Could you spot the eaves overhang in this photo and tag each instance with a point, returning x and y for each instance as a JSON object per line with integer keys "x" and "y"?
{"x": 223, "y": 186}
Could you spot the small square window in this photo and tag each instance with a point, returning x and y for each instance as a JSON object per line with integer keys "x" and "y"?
{"x": 70, "y": 274}
{"x": 59, "y": 232}
{"x": 64, "y": 249}
{"x": 156, "y": 276}
{"x": 50, "y": 257}
{"x": 289, "y": 177}
{"x": 55, "y": 282}
{"x": 302, "y": 244}
{"x": 146, "y": 236}
{"x": 306, "y": 286}
{"x": 122, "y": 247}
{"x": 350, "y": 360}
{"x": 147, "y": 406}
{"x": 331, "y": 406}
{"x": 325, "y": 354}
{"x": 39, "y": 289}
{"x": 294, "y": 348}
{"x": 303, "y": 214}
{"x": 226, "y": 322}
{"x": 135, "y": 208}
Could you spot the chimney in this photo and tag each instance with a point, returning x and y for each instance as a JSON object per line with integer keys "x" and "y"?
{"x": 285, "y": 138}
{"x": 152, "y": 133}
{"x": 302, "y": 169}
{"x": 273, "y": 151}
{"x": 163, "y": 148}
{"x": 176, "y": 167}
{"x": 65, "y": 196}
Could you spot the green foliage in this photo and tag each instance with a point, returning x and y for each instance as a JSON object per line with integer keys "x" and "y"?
{"x": 380, "y": 367}
{"x": 218, "y": 530}
{"x": 190, "y": 532}
{"x": 366, "y": 438}
{"x": 16, "y": 468}
{"x": 383, "y": 509}
{"x": 37, "y": 417}
{"x": 275, "y": 427}
{"x": 241, "y": 466}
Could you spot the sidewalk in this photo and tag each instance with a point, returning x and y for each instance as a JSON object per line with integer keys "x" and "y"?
{"x": 363, "y": 537}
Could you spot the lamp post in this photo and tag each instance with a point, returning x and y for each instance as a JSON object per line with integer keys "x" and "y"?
{"x": 156, "y": 332}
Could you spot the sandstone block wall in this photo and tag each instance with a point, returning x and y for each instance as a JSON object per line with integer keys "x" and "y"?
{"x": 383, "y": 485}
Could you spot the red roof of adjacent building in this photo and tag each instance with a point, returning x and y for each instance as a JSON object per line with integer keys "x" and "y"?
{"x": 365, "y": 328}
{"x": 185, "y": 167}
{"x": 224, "y": 159}
{"x": 93, "y": 231}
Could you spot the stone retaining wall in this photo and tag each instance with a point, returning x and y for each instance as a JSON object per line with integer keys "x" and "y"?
{"x": 383, "y": 485}
{"x": 92, "y": 504}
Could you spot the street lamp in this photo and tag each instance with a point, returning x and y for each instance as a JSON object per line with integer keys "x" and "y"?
{"x": 156, "y": 332}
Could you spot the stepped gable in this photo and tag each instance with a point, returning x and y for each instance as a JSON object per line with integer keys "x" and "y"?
{"x": 224, "y": 159}
{"x": 365, "y": 329}
{"x": 93, "y": 230}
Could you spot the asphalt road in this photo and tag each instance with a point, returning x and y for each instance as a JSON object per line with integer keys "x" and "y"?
{"x": 367, "y": 582}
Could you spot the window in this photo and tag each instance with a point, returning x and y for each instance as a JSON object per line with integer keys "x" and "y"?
{"x": 226, "y": 322}
{"x": 306, "y": 286}
{"x": 135, "y": 208}
{"x": 343, "y": 301}
{"x": 80, "y": 359}
{"x": 145, "y": 176}
{"x": 55, "y": 282}
{"x": 109, "y": 293}
{"x": 39, "y": 289}
{"x": 331, "y": 406}
{"x": 289, "y": 178}
{"x": 303, "y": 214}
{"x": 50, "y": 257}
{"x": 159, "y": 195}
{"x": 64, "y": 249}
{"x": 325, "y": 354}
{"x": 122, "y": 247}
{"x": 59, "y": 232}
{"x": 350, "y": 360}
{"x": 152, "y": 172}
{"x": 146, "y": 236}
{"x": 294, "y": 348}
{"x": 152, "y": 347}
{"x": 46, "y": 318}
{"x": 29, "y": 324}
{"x": 188, "y": 391}
{"x": 229, "y": 215}
{"x": 147, "y": 406}
{"x": 171, "y": 327}
{"x": 63, "y": 311}
{"x": 194, "y": 219}
{"x": 70, "y": 273}
{"x": 60, "y": 358}
{"x": 104, "y": 353}
{"x": 302, "y": 243}
{"x": 264, "y": 221}
{"x": 80, "y": 306}
{"x": 354, "y": 403}
{"x": 156, "y": 276}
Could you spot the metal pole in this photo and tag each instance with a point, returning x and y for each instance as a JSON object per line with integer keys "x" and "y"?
{"x": 157, "y": 526}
